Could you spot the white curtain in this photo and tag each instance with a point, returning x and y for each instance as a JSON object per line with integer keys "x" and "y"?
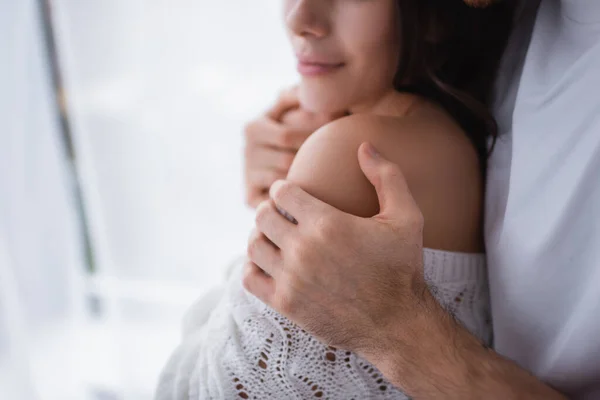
{"x": 157, "y": 94}
{"x": 40, "y": 254}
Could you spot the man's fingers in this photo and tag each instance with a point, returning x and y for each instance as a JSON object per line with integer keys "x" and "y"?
{"x": 392, "y": 189}
{"x": 264, "y": 254}
{"x": 304, "y": 120}
{"x": 258, "y": 283}
{"x": 264, "y": 178}
{"x": 258, "y": 183}
{"x": 273, "y": 225}
{"x": 256, "y": 196}
{"x": 296, "y": 203}
{"x": 266, "y": 157}
{"x": 271, "y": 133}
{"x": 287, "y": 100}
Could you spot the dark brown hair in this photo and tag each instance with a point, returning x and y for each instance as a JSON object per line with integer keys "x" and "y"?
{"x": 450, "y": 53}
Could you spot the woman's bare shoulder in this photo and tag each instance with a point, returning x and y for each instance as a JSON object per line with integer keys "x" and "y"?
{"x": 441, "y": 167}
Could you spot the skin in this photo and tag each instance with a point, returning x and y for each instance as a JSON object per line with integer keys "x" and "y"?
{"x": 273, "y": 138}
{"x": 272, "y": 141}
{"x": 347, "y": 264}
{"x": 360, "y": 32}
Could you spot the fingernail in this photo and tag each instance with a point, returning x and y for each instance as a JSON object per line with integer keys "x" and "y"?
{"x": 373, "y": 151}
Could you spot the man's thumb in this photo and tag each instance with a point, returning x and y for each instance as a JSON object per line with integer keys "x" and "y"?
{"x": 389, "y": 182}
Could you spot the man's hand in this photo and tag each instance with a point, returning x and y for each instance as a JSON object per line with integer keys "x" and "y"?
{"x": 357, "y": 283}
{"x": 345, "y": 279}
{"x": 272, "y": 141}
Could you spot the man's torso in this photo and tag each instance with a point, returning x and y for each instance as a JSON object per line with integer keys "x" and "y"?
{"x": 543, "y": 197}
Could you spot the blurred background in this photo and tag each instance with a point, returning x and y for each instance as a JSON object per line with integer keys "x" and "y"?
{"x": 121, "y": 179}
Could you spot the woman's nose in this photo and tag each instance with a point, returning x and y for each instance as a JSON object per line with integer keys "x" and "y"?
{"x": 308, "y": 17}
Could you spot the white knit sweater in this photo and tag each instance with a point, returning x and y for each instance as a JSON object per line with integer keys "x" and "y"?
{"x": 236, "y": 347}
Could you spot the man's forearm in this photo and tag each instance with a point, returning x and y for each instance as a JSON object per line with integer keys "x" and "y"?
{"x": 434, "y": 357}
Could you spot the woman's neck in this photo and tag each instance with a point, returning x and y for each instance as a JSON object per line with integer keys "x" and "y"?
{"x": 391, "y": 104}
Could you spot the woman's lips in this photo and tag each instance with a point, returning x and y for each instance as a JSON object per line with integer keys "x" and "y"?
{"x": 307, "y": 68}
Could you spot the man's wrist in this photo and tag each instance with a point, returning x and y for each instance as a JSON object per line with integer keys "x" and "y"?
{"x": 425, "y": 352}
{"x": 430, "y": 355}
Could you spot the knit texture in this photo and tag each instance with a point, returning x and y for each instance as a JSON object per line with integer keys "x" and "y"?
{"x": 244, "y": 349}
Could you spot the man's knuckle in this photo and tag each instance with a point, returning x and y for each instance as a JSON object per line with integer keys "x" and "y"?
{"x": 390, "y": 170}
{"x": 281, "y": 192}
{"x": 252, "y": 248}
{"x": 261, "y": 213}
{"x": 325, "y": 227}
{"x": 300, "y": 252}
{"x": 413, "y": 221}
{"x": 248, "y": 279}
{"x": 296, "y": 253}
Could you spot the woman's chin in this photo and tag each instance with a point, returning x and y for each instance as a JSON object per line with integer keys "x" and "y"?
{"x": 320, "y": 101}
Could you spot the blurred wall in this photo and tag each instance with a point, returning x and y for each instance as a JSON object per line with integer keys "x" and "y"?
{"x": 157, "y": 94}
{"x": 40, "y": 258}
